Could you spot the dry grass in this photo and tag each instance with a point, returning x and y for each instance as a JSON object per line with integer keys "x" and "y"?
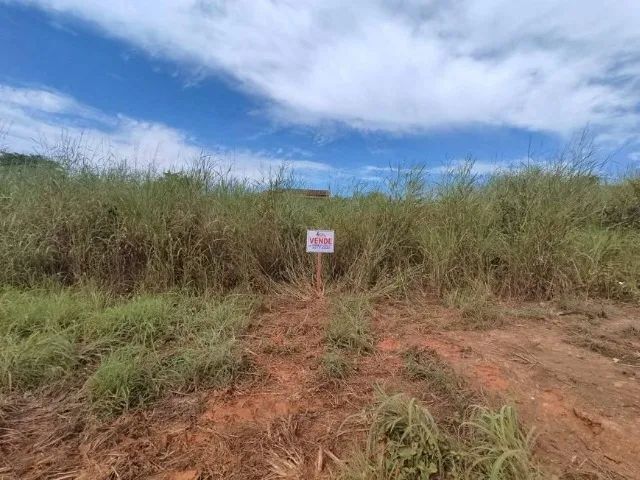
{"x": 441, "y": 381}
{"x": 477, "y": 307}
{"x": 349, "y": 326}
{"x": 533, "y": 232}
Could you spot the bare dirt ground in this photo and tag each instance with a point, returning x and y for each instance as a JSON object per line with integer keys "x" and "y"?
{"x": 573, "y": 375}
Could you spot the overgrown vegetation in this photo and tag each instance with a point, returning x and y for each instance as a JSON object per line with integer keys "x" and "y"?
{"x": 129, "y": 350}
{"x": 406, "y": 443}
{"x": 534, "y": 232}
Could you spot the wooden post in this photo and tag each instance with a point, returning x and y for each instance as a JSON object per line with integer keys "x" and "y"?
{"x": 319, "y": 285}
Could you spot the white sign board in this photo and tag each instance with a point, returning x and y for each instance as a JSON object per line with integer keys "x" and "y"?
{"x": 320, "y": 241}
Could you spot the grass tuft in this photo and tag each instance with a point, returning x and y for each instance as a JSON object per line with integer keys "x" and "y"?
{"x": 124, "y": 380}
{"x": 426, "y": 365}
{"x": 497, "y": 448}
{"x": 38, "y": 359}
{"x": 212, "y": 361}
{"x": 477, "y": 306}
{"x": 335, "y": 365}
{"x": 405, "y": 442}
{"x": 349, "y": 328}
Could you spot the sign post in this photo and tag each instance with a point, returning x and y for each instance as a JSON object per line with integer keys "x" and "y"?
{"x": 319, "y": 242}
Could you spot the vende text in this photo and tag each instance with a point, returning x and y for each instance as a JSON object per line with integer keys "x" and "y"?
{"x": 320, "y": 241}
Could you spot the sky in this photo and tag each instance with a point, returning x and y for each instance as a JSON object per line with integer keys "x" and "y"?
{"x": 338, "y": 91}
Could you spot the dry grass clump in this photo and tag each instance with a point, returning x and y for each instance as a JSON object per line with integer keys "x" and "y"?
{"x": 335, "y": 365}
{"x": 477, "y": 307}
{"x": 349, "y": 327}
{"x": 441, "y": 380}
{"x": 405, "y": 442}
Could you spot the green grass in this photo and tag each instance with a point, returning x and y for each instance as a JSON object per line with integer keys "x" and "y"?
{"x": 349, "y": 327}
{"x": 406, "y": 443}
{"x": 533, "y": 232}
{"x": 496, "y": 447}
{"x": 127, "y": 351}
{"x": 37, "y": 359}
{"x": 123, "y": 380}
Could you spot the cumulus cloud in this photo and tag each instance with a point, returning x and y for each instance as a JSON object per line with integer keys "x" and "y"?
{"x": 43, "y": 121}
{"x": 403, "y": 65}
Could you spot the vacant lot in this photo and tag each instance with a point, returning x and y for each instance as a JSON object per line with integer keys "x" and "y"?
{"x": 164, "y": 326}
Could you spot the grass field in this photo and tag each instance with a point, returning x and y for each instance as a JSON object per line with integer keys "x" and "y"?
{"x": 529, "y": 233}
{"x": 121, "y": 291}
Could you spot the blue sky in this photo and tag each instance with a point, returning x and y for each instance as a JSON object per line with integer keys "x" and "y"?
{"x": 339, "y": 91}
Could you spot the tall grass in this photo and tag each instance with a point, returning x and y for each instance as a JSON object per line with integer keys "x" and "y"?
{"x": 532, "y": 232}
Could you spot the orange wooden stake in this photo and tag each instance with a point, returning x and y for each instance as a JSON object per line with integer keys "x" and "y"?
{"x": 319, "y": 286}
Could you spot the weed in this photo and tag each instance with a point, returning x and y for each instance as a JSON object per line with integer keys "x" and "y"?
{"x": 143, "y": 321}
{"x": 405, "y": 442}
{"x": 124, "y": 379}
{"x": 335, "y": 365}
{"x": 132, "y": 350}
{"x": 29, "y": 362}
{"x": 414, "y": 445}
{"x": 532, "y": 232}
{"x": 23, "y": 313}
{"x": 213, "y": 361}
{"x": 497, "y": 448}
{"x": 349, "y": 327}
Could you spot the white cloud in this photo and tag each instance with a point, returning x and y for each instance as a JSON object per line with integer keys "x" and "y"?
{"x": 404, "y": 65}
{"x": 41, "y": 120}
{"x": 476, "y": 167}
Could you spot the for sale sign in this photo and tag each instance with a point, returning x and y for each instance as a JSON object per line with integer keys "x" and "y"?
{"x": 320, "y": 241}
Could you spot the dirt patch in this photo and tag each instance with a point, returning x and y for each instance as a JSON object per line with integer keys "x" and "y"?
{"x": 583, "y": 405}
{"x": 287, "y": 420}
